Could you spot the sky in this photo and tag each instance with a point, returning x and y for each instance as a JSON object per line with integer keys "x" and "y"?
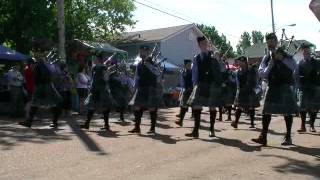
{"x": 232, "y": 17}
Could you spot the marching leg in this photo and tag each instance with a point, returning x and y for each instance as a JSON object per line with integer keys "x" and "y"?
{"x": 106, "y": 119}
{"x": 287, "y": 139}
{"x": 89, "y": 117}
{"x": 153, "y": 117}
{"x": 252, "y": 113}
{"x": 234, "y": 123}
{"x": 56, "y": 112}
{"x": 213, "y": 114}
{"x": 262, "y": 139}
{"x": 303, "y": 116}
{"x": 220, "y": 113}
{"x": 313, "y": 116}
{"x": 28, "y": 122}
{"x": 122, "y": 109}
{"x": 197, "y": 118}
{"x": 183, "y": 112}
{"x": 229, "y": 109}
{"x": 137, "y": 115}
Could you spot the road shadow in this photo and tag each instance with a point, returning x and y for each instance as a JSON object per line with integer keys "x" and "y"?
{"x": 12, "y": 136}
{"x": 296, "y": 166}
{"x": 233, "y": 143}
{"x": 167, "y": 139}
{"x": 315, "y": 152}
{"x": 87, "y": 140}
{"x": 112, "y": 134}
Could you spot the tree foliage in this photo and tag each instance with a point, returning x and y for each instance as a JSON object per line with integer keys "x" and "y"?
{"x": 257, "y": 37}
{"x": 98, "y": 20}
{"x": 248, "y": 39}
{"x": 220, "y": 41}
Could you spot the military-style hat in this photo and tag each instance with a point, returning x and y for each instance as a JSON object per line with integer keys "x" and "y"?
{"x": 144, "y": 47}
{"x": 242, "y": 59}
{"x": 187, "y": 61}
{"x": 306, "y": 46}
{"x": 201, "y": 38}
{"x": 271, "y": 36}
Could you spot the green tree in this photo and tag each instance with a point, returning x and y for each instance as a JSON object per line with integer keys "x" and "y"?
{"x": 244, "y": 43}
{"x": 21, "y": 21}
{"x": 220, "y": 41}
{"x": 257, "y": 37}
{"x": 99, "y": 20}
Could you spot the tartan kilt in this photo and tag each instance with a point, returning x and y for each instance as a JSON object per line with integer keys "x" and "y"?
{"x": 100, "y": 99}
{"x": 246, "y": 98}
{"x": 204, "y": 94}
{"x": 184, "y": 97}
{"x": 147, "y": 97}
{"x": 280, "y": 100}
{"x": 229, "y": 94}
{"x": 46, "y": 95}
{"x": 121, "y": 96}
{"x": 309, "y": 98}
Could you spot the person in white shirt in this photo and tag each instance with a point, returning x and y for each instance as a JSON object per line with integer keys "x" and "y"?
{"x": 83, "y": 84}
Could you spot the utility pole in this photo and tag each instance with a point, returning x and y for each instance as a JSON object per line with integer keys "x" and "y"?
{"x": 61, "y": 28}
{"x": 272, "y": 16}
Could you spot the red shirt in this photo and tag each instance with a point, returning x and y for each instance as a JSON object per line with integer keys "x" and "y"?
{"x": 29, "y": 79}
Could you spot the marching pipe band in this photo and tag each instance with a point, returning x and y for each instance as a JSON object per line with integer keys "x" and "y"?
{"x": 206, "y": 81}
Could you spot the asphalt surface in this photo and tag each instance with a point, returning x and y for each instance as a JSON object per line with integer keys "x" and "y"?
{"x": 69, "y": 153}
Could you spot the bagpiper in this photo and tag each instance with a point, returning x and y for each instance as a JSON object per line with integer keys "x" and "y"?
{"x": 187, "y": 86}
{"x": 99, "y": 96}
{"x": 148, "y": 93}
{"x": 228, "y": 90}
{"x": 278, "y": 68}
{"x": 247, "y": 97}
{"x": 309, "y": 88}
{"x": 119, "y": 89}
{"x": 45, "y": 94}
{"x": 207, "y": 81}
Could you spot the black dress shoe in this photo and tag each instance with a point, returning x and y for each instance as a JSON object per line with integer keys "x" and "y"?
{"x": 54, "y": 125}
{"x": 212, "y": 133}
{"x": 252, "y": 126}
{"x": 287, "y": 141}
{"x": 84, "y": 126}
{"x": 234, "y": 125}
{"x": 151, "y": 131}
{"x": 25, "y": 124}
{"x": 135, "y": 130}
{"x": 179, "y": 123}
{"x": 193, "y": 134}
{"x": 260, "y": 140}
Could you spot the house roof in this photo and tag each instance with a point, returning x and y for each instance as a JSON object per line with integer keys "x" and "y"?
{"x": 153, "y": 35}
{"x": 259, "y": 50}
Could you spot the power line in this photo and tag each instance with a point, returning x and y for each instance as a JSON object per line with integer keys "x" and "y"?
{"x": 173, "y": 15}
{"x": 174, "y": 11}
{"x": 170, "y": 14}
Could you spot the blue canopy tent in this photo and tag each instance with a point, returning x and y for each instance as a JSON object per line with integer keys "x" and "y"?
{"x": 7, "y": 54}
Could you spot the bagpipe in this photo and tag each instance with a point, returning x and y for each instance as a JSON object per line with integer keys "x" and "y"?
{"x": 154, "y": 61}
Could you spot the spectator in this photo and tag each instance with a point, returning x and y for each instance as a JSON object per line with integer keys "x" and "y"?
{"x": 83, "y": 83}
{"x": 29, "y": 82}
{"x": 65, "y": 89}
{"x": 16, "y": 81}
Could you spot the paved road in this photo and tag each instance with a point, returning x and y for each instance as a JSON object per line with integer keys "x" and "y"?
{"x": 70, "y": 153}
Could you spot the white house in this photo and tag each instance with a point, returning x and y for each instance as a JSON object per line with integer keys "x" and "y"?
{"x": 174, "y": 43}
